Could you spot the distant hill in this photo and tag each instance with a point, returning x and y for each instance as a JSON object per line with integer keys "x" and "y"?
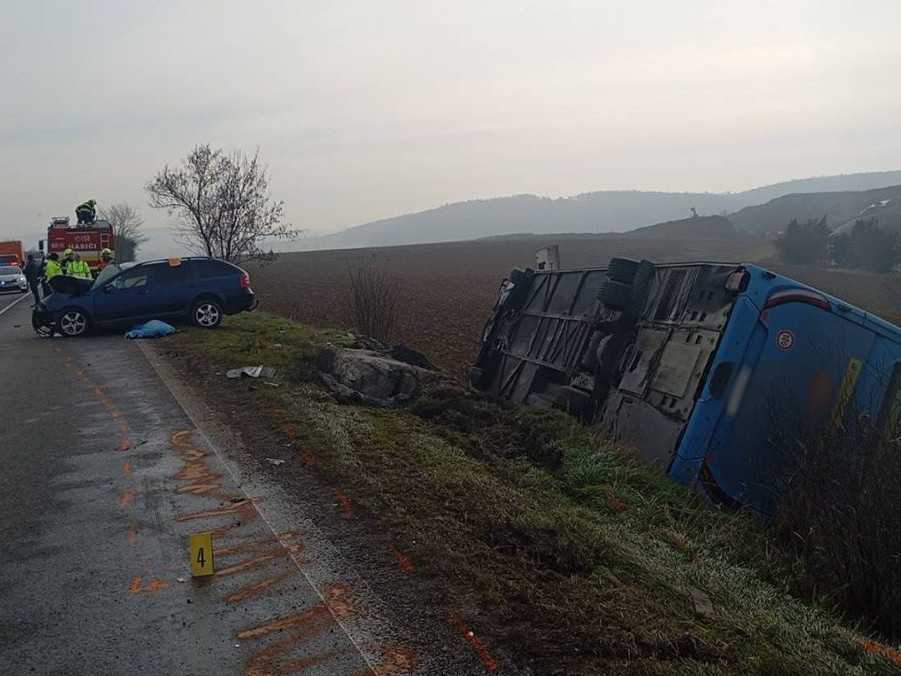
{"x": 887, "y": 211}
{"x": 839, "y": 208}
{"x": 700, "y": 227}
{"x": 594, "y": 212}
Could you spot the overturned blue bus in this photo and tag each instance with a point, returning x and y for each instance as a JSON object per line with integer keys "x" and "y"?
{"x": 698, "y": 366}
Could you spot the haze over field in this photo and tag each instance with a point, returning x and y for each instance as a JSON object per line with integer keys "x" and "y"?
{"x": 365, "y": 111}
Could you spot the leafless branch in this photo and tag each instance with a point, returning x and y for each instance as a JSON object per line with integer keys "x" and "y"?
{"x": 222, "y": 203}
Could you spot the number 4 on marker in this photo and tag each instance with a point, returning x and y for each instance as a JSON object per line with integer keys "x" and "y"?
{"x": 201, "y": 554}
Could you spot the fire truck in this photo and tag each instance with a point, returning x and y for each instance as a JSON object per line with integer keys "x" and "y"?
{"x": 87, "y": 239}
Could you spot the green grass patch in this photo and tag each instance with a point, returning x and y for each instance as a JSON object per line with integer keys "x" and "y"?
{"x": 264, "y": 339}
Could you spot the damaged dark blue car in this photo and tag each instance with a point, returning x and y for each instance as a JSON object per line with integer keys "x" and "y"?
{"x": 197, "y": 290}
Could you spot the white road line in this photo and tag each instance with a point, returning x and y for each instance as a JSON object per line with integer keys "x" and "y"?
{"x": 17, "y": 300}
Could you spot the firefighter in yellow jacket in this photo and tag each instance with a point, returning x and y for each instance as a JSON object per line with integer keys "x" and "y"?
{"x": 51, "y": 269}
{"x": 67, "y": 258}
{"x": 78, "y": 268}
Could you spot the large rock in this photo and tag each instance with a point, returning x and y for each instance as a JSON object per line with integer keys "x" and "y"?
{"x": 372, "y": 377}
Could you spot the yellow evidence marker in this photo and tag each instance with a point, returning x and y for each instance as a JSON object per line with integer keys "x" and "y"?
{"x": 201, "y": 554}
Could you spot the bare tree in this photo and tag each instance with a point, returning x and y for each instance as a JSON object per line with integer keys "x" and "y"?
{"x": 126, "y": 222}
{"x": 374, "y": 301}
{"x": 222, "y": 202}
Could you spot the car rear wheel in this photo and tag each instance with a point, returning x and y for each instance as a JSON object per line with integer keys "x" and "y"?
{"x": 73, "y": 323}
{"x": 206, "y": 313}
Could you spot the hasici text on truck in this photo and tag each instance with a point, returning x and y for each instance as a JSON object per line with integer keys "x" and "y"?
{"x": 89, "y": 240}
{"x": 695, "y": 365}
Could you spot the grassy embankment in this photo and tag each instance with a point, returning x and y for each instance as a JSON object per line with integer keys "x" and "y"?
{"x": 566, "y": 555}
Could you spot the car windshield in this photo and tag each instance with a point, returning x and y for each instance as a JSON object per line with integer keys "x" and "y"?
{"x": 10, "y": 270}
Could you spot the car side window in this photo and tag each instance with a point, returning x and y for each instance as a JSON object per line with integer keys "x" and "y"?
{"x": 132, "y": 279}
{"x": 210, "y": 269}
{"x": 171, "y": 275}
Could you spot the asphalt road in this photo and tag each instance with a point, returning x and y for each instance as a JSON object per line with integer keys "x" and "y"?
{"x": 103, "y": 479}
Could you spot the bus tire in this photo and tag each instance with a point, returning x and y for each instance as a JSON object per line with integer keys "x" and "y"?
{"x": 615, "y": 295}
{"x": 622, "y": 270}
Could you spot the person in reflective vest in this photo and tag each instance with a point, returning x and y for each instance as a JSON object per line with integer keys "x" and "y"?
{"x": 86, "y": 212}
{"x": 79, "y": 268}
{"x": 64, "y": 262}
{"x": 51, "y": 269}
{"x": 108, "y": 267}
{"x": 106, "y": 257}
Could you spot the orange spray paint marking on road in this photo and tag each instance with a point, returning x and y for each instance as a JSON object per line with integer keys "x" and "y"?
{"x": 201, "y": 479}
{"x": 261, "y": 546}
{"x": 156, "y": 585}
{"x": 265, "y": 556}
{"x": 124, "y": 444}
{"x": 249, "y": 564}
{"x": 488, "y": 661}
{"x": 132, "y": 535}
{"x": 344, "y": 503}
{"x": 125, "y": 497}
{"x": 403, "y": 560}
{"x": 137, "y": 585}
{"x": 308, "y": 458}
{"x": 257, "y": 588}
{"x": 126, "y": 468}
{"x": 290, "y": 431}
{"x": 304, "y": 663}
{"x": 257, "y": 546}
{"x": 177, "y": 437}
{"x": 299, "y": 627}
{"x": 243, "y": 508}
{"x": 395, "y": 660}
{"x": 337, "y": 603}
{"x": 313, "y": 620}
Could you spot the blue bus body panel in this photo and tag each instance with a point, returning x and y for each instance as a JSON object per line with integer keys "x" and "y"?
{"x": 792, "y": 366}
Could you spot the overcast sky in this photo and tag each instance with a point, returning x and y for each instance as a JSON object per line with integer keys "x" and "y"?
{"x": 371, "y": 109}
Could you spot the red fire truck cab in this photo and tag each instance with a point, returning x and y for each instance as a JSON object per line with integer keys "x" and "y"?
{"x": 87, "y": 240}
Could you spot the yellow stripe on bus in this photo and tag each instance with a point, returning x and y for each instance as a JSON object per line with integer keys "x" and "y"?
{"x": 849, "y": 382}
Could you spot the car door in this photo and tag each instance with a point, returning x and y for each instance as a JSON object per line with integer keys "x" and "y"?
{"x": 173, "y": 287}
{"x": 127, "y": 298}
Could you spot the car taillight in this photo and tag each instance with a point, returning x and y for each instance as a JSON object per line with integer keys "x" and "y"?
{"x": 798, "y": 296}
{"x": 245, "y": 281}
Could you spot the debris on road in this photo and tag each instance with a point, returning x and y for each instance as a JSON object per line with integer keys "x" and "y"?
{"x": 251, "y": 372}
{"x": 275, "y": 461}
